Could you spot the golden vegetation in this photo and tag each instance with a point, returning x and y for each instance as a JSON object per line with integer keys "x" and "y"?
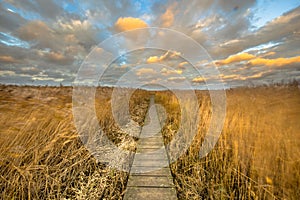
{"x": 41, "y": 155}
{"x": 257, "y": 155}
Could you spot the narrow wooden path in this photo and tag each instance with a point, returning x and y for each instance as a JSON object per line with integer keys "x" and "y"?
{"x": 150, "y": 176}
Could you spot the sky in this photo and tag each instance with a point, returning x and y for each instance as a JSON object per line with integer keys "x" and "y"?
{"x": 248, "y": 42}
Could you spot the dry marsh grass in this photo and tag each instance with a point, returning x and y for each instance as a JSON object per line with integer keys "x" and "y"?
{"x": 41, "y": 155}
{"x": 257, "y": 155}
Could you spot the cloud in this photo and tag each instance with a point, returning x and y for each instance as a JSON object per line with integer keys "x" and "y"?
{"x": 49, "y": 9}
{"x": 254, "y": 76}
{"x": 176, "y": 79}
{"x": 198, "y": 35}
{"x": 274, "y": 31}
{"x": 58, "y": 58}
{"x": 230, "y": 76}
{"x": 74, "y": 25}
{"x": 198, "y": 79}
{"x": 271, "y": 53}
{"x": 225, "y": 21}
{"x": 165, "y": 71}
{"x": 129, "y": 23}
{"x": 153, "y": 59}
{"x": 146, "y": 71}
{"x": 235, "y": 77}
{"x": 34, "y": 30}
{"x": 235, "y": 5}
{"x": 277, "y": 62}
{"x": 36, "y": 78}
{"x": 254, "y": 60}
{"x": 39, "y": 34}
{"x": 46, "y": 9}
{"x": 74, "y": 34}
{"x": 235, "y": 58}
{"x": 7, "y": 59}
{"x": 10, "y": 21}
{"x": 182, "y": 64}
{"x": 55, "y": 37}
{"x": 7, "y": 73}
{"x": 166, "y": 56}
{"x": 80, "y": 33}
{"x": 167, "y": 19}
{"x": 61, "y": 42}
{"x": 186, "y": 14}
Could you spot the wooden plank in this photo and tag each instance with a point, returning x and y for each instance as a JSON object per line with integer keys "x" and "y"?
{"x": 151, "y": 171}
{"x": 151, "y": 139}
{"x": 150, "y": 163}
{"x": 152, "y": 146}
{"x": 151, "y": 181}
{"x": 151, "y": 156}
{"x": 147, "y": 150}
{"x": 152, "y": 193}
{"x": 150, "y": 176}
{"x": 141, "y": 143}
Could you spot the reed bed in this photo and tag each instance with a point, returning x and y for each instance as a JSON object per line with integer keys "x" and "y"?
{"x": 257, "y": 155}
{"x": 41, "y": 154}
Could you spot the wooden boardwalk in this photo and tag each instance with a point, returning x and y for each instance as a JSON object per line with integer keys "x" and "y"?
{"x": 150, "y": 176}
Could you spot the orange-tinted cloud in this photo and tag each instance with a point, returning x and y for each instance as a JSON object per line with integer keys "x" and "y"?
{"x": 167, "y": 55}
{"x": 7, "y": 59}
{"x": 58, "y": 58}
{"x": 182, "y": 64}
{"x": 235, "y": 58}
{"x": 153, "y": 59}
{"x": 129, "y": 23}
{"x": 198, "y": 79}
{"x": 166, "y": 71}
{"x": 241, "y": 77}
{"x": 143, "y": 71}
{"x": 34, "y": 30}
{"x": 253, "y": 60}
{"x": 277, "y": 62}
{"x": 258, "y": 75}
{"x": 230, "y": 76}
{"x": 271, "y": 53}
{"x": 167, "y": 18}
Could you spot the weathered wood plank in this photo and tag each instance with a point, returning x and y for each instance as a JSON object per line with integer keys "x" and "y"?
{"x": 151, "y": 181}
{"x": 150, "y": 175}
{"x": 151, "y": 156}
{"x": 151, "y": 171}
{"x": 147, "y": 150}
{"x": 153, "y": 193}
{"x": 150, "y": 163}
